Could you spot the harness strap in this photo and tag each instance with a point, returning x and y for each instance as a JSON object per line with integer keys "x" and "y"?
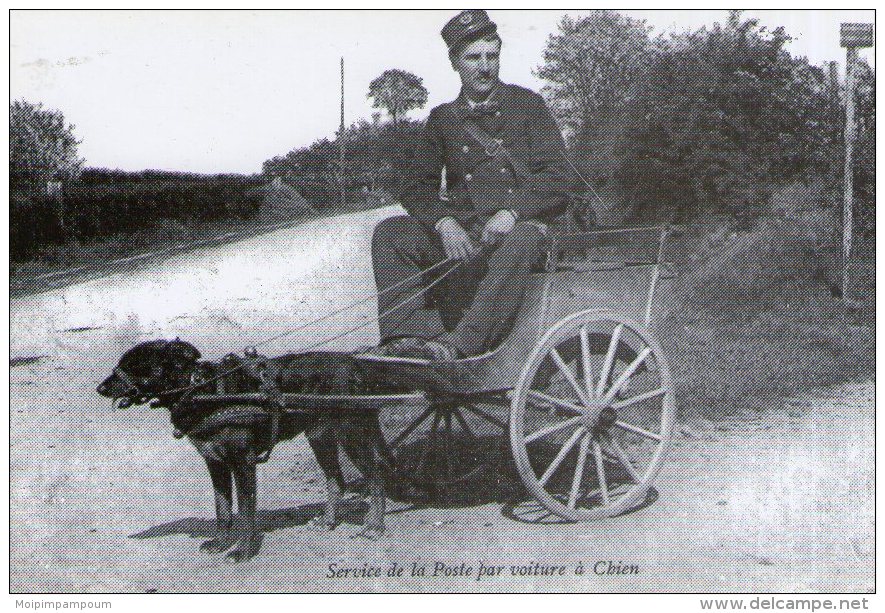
{"x": 128, "y": 380}
{"x": 495, "y": 146}
{"x": 275, "y": 405}
{"x": 271, "y": 407}
{"x": 272, "y": 437}
{"x": 229, "y": 416}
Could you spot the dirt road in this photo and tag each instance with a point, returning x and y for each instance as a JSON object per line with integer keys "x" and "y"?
{"x": 109, "y": 502}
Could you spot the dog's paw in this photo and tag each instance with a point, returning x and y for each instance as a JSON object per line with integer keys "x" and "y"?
{"x": 369, "y": 534}
{"x": 242, "y": 553}
{"x": 321, "y": 524}
{"x": 247, "y": 549}
{"x": 238, "y": 555}
{"x": 217, "y": 545}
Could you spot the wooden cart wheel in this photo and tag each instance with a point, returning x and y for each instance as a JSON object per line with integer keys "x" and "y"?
{"x": 442, "y": 443}
{"x": 589, "y": 439}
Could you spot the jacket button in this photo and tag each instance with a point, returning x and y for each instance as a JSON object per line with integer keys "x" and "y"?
{"x": 468, "y": 177}
{"x": 503, "y": 171}
{"x": 509, "y": 191}
{"x": 465, "y": 148}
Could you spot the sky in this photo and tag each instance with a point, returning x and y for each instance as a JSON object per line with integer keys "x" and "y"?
{"x": 222, "y": 91}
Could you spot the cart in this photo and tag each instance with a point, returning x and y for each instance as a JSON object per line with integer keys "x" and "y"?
{"x": 580, "y": 386}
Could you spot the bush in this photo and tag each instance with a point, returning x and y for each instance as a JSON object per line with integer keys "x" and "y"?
{"x": 377, "y": 157}
{"x": 33, "y": 224}
{"x": 105, "y": 203}
{"x": 703, "y": 121}
{"x": 101, "y": 209}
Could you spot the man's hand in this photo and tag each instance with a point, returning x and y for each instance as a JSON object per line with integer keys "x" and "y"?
{"x": 456, "y": 242}
{"x": 499, "y": 224}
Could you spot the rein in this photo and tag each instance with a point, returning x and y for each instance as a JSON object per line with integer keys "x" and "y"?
{"x": 455, "y": 264}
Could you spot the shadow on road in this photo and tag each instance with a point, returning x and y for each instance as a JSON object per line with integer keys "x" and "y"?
{"x": 530, "y": 511}
{"x": 352, "y": 512}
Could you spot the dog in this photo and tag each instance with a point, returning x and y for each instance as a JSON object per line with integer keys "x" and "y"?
{"x": 232, "y": 437}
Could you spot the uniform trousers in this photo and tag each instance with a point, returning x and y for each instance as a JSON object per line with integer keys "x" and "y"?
{"x": 472, "y": 308}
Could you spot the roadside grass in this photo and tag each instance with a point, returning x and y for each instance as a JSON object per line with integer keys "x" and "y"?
{"x": 756, "y": 322}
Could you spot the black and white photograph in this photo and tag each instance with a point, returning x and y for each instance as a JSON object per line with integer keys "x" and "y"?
{"x": 443, "y": 301}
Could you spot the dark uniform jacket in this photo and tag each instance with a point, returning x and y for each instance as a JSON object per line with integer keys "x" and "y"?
{"x": 482, "y": 182}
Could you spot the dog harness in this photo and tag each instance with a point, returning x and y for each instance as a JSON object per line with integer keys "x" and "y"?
{"x": 269, "y": 407}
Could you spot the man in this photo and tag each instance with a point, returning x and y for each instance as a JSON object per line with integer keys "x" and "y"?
{"x": 502, "y": 155}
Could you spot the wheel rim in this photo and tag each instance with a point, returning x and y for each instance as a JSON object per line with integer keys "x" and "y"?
{"x": 442, "y": 444}
{"x": 592, "y": 416}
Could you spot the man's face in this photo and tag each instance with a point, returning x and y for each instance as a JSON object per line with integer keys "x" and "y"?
{"x": 478, "y": 64}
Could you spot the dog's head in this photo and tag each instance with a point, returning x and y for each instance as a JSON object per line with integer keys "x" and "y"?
{"x": 149, "y": 369}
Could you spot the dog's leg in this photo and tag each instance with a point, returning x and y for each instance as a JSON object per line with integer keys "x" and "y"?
{"x": 377, "y": 499}
{"x": 221, "y": 483}
{"x": 323, "y": 441}
{"x": 244, "y": 475}
{"x": 363, "y": 448}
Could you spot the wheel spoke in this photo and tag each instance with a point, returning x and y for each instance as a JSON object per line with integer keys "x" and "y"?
{"x": 634, "y": 365}
{"x": 600, "y": 472}
{"x": 561, "y": 456}
{"x": 609, "y": 359}
{"x": 431, "y": 444}
{"x": 489, "y": 418}
{"x": 567, "y": 373}
{"x": 637, "y": 430}
{"x": 463, "y": 423}
{"x": 411, "y": 428}
{"x": 447, "y": 448}
{"x": 579, "y": 471}
{"x": 563, "y": 404}
{"x": 623, "y": 458}
{"x": 585, "y": 357}
{"x": 640, "y": 398}
{"x": 574, "y": 421}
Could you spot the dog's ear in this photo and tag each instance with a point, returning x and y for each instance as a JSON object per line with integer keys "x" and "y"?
{"x": 180, "y": 352}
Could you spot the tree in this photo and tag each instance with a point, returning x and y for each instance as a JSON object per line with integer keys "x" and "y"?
{"x": 42, "y": 146}
{"x": 398, "y": 92}
{"x": 725, "y": 114}
{"x": 592, "y": 66}
{"x": 699, "y": 121}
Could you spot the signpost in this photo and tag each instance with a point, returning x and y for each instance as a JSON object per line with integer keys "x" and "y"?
{"x": 854, "y": 35}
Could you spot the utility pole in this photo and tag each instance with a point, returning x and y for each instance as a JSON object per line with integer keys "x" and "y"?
{"x": 341, "y": 137}
{"x": 853, "y": 36}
